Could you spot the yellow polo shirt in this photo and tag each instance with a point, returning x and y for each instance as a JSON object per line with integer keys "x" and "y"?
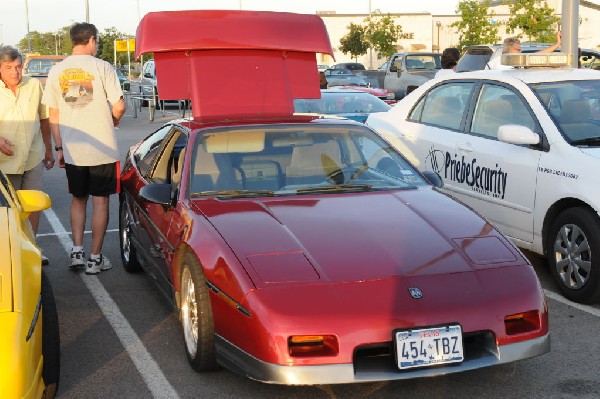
{"x": 20, "y": 117}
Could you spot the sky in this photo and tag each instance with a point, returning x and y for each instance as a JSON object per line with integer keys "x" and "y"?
{"x": 51, "y": 15}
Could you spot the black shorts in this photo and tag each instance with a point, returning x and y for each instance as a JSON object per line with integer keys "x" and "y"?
{"x": 99, "y": 180}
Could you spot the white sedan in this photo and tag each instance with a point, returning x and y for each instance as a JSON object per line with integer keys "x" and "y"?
{"x": 522, "y": 147}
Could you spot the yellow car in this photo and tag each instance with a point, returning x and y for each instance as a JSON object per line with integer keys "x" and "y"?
{"x": 29, "y": 336}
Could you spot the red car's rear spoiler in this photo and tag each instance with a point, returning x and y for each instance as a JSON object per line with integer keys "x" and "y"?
{"x": 235, "y": 63}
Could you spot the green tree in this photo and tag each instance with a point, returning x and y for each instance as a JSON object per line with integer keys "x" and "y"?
{"x": 354, "y": 42}
{"x": 534, "y": 18}
{"x": 39, "y": 44}
{"x": 382, "y": 33}
{"x": 476, "y": 24}
{"x": 59, "y": 42}
{"x": 106, "y": 48}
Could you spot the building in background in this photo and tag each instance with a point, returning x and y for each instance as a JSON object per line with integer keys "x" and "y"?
{"x": 428, "y": 32}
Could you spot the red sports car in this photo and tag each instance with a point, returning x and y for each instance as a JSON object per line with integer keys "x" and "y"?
{"x": 306, "y": 250}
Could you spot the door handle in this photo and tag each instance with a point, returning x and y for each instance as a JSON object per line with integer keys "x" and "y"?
{"x": 465, "y": 147}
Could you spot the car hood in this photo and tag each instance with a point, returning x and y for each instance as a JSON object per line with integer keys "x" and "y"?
{"x": 592, "y": 151}
{"x": 356, "y": 237}
{"x": 376, "y": 91}
{"x": 426, "y": 74}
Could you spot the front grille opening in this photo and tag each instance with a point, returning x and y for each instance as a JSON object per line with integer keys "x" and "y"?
{"x": 380, "y": 357}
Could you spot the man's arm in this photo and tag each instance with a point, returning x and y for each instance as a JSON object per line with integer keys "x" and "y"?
{"x": 118, "y": 110}
{"x": 55, "y": 131}
{"x": 47, "y": 137}
{"x": 556, "y": 45}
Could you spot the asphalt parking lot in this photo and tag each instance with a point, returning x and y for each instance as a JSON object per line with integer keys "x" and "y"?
{"x": 120, "y": 338}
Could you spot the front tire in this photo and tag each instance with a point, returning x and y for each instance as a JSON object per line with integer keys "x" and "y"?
{"x": 128, "y": 252}
{"x": 574, "y": 254}
{"x": 196, "y": 316}
{"x": 50, "y": 339}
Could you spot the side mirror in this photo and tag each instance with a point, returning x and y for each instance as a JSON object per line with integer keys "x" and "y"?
{"x": 393, "y": 68}
{"x": 517, "y": 134}
{"x": 33, "y": 201}
{"x": 434, "y": 179}
{"x": 157, "y": 193}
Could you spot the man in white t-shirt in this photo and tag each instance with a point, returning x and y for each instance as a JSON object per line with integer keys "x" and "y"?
{"x": 85, "y": 103}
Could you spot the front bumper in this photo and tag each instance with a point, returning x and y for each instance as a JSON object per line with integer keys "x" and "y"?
{"x": 379, "y": 368}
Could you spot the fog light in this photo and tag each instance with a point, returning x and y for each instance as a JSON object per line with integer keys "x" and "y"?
{"x": 522, "y": 322}
{"x": 313, "y": 345}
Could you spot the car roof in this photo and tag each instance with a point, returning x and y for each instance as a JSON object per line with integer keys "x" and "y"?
{"x": 530, "y": 75}
{"x": 216, "y": 122}
{"x": 343, "y": 89}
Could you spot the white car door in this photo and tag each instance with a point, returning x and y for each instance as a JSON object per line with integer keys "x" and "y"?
{"x": 497, "y": 178}
{"x": 432, "y": 130}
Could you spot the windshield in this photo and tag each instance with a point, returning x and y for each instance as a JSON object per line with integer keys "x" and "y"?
{"x": 417, "y": 62}
{"x": 344, "y": 102}
{"x": 284, "y": 160}
{"x": 575, "y": 108}
{"x": 346, "y": 80}
{"x": 40, "y": 65}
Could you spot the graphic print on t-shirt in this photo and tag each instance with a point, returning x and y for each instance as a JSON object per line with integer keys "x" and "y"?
{"x": 76, "y": 87}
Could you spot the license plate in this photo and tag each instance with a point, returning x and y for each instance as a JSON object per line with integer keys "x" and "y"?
{"x": 429, "y": 346}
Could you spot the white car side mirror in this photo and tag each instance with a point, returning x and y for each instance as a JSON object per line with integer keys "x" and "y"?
{"x": 517, "y": 134}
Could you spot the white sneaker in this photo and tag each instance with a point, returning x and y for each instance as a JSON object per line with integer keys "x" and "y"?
{"x": 99, "y": 265}
{"x": 77, "y": 259}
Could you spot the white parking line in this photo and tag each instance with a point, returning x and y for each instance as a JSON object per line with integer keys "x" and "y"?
{"x": 157, "y": 383}
{"x": 584, "y": 308}
{"x": 68, "y": 233}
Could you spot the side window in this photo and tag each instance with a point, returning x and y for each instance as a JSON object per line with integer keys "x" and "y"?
{"x": 497, "y": 106}
{"x": 167, "y": 168}
{"x": 146, "y": 152}
{"x": 444, "y": 105}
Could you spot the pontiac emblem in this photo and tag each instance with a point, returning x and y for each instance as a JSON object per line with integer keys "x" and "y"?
{"x": 415, "y": 292}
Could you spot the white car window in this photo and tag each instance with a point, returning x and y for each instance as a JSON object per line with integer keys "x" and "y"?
{"x": 497, "y": 106}
{"x": 443, "y": 106}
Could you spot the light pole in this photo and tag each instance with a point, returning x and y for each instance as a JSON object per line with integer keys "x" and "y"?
{"x": 27, "y": 20}
{"x": 56, "y": 42}
{"x": 439, "y": 25}
{"x": 87, "y": 11}
{"x": 370, "y": 49}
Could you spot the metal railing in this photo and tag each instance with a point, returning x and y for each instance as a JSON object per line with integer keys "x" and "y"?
{"x": 149, "y": 97}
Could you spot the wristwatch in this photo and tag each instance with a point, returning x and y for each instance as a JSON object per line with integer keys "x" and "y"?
{"x": 58, "y": 148}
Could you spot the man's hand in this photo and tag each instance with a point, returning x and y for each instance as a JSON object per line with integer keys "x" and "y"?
{"x": 60, "y": 159}
{"x": 6, "y": 146}
{"x": 49, "y": 160}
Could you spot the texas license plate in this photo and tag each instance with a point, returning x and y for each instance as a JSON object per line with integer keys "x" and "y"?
{"x": 429, "y": 346}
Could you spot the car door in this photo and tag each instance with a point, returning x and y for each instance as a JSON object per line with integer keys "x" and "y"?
{"x": 144, "y": 157}
{"x": 430, "y": 134}
{"x": 160, "y": 217}
{"x": 496, "y": 178}
{"x": 391, "y": 81}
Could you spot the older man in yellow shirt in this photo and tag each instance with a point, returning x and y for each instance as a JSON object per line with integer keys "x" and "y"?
{"x": 25, "y": 140}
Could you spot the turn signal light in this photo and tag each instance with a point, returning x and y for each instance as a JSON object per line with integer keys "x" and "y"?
{"x": 522, "y": 322}
{"x": 313, "y": 345}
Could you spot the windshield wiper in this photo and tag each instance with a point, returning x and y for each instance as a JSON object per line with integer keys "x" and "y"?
{"x": 339, "y": 188}
{"x": 595, "y": 141}
{"x": 234, "y": 193}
